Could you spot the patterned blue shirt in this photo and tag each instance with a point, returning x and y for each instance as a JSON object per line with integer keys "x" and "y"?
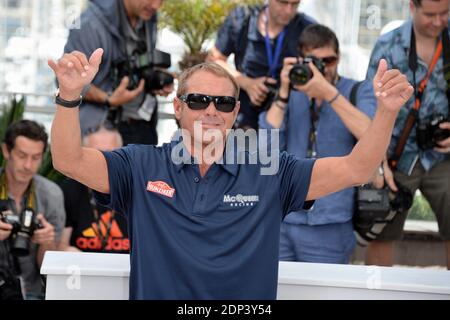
{"x": 394, "y": 47}
{"x": 333, "y": 140}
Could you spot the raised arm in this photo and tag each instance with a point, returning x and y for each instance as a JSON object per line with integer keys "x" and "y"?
{"x": 332, "y": 174}
{"x": 88, "y": 166}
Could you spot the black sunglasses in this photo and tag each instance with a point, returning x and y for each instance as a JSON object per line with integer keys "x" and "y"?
{"x": 327, "y": 61}
{"x": 331, "y": 60}
{"x": 197, "y": 101}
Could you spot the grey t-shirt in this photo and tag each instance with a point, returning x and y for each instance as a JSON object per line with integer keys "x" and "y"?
{"x": 49, "y": 202}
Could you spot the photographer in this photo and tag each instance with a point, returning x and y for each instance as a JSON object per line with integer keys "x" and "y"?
{"x": 260, "y": 38}
{"x": 126, "y": 29}
{"x": 32, "y": 211}
{"x": 420, "y": 145}
{"x": 316, "y": 119}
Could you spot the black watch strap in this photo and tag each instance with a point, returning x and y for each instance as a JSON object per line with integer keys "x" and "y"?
{"x": 278, "y": 97}
{"x": 107, "y": 103}
{"x": 66, "y": 103}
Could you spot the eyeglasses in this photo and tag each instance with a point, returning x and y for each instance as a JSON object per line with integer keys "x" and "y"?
{"x": 294, "y": 4}
{"x": 197, "y": 101}
{"x": 329, "y": 61}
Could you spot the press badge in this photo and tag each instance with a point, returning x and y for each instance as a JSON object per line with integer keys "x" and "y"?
{"x": 147, "y": 107}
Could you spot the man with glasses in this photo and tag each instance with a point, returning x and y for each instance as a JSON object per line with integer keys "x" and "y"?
{"x": 319, "y": 121}
{"x": 260, "y": 39}
{"x": 203, "y": 220}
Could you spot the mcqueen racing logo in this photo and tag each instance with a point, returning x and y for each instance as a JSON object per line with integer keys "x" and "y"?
{"x": 240, "y": 200}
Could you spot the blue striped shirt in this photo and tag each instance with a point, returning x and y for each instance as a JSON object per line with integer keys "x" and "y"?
{"x": 394, "y": 47}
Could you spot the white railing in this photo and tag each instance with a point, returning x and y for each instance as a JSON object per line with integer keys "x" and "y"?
{"x": 76, "y": 275}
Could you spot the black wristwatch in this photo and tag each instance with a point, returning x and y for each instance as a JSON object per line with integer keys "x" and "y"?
{"x": 107, "y": 103}
{"x": 66, "y": 103}
{"x": 278, "y": 97}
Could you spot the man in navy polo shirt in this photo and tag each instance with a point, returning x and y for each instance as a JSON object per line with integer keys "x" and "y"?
{"x": 260, "y": 38}
{"x": 206, "y": 228}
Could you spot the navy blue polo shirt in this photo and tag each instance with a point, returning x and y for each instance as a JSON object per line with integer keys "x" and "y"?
{"x": 211, "y": 237}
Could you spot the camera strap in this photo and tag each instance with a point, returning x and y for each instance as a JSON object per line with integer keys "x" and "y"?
{"x": 312, "y": 137}
{"x": 419, "y": 90}
{"x": 30, "y": 194}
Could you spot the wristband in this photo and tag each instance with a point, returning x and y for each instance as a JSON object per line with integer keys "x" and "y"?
{"x": 107, "y": 103}
{"x": 279, "y": 98}
{"x": 66, "y": 103}
{"x": 279, "y": 105}
{"x": 334, "y": 98}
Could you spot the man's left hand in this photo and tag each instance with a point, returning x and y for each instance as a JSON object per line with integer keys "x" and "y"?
{"x": 444, "y": 145}
{"x": 391, "y": 87}
{"x": 46, "y": 235}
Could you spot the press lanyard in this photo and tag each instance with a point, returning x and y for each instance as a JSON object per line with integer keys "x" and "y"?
{"x": 312, "y": 138}
{"x": 271, "y": 58}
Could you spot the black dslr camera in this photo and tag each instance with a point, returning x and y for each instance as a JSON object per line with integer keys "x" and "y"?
{"x": 377, "y": 207}
{"x": 273, "y": 90}
{"x": 428, "y": 133}
{"x": 301, "y": 73}
{"x": 23, "y": 229}
{"x": 141, "y": 65}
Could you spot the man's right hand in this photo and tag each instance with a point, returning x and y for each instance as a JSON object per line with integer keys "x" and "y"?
{"x": 74, "y": 71}
{"x": 389, "y": 177}
{"x": 256, "y": 89}
{"x": 122, "y": 95}
{"x": 5, "y": 230}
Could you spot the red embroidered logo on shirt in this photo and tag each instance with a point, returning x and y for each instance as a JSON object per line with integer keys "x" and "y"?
{"x": 161, "y": 187}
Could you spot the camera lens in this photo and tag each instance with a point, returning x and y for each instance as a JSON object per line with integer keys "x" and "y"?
{"x": 20, "y": 244}
{"x": 300, "y": 74}
{"x": 441, "y": 134}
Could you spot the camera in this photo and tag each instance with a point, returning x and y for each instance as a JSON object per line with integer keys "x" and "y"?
{"x": 141, "y": 65}
{"x": 301, "y": 73}
{"x": 377, "y": 207}
{"x": 429, "y": 133}
{"x": 24, "y": 225}
{"x": 273, "y": 90}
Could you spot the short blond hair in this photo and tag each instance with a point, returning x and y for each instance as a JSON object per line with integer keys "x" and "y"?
{"x": 210, "y": 67}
